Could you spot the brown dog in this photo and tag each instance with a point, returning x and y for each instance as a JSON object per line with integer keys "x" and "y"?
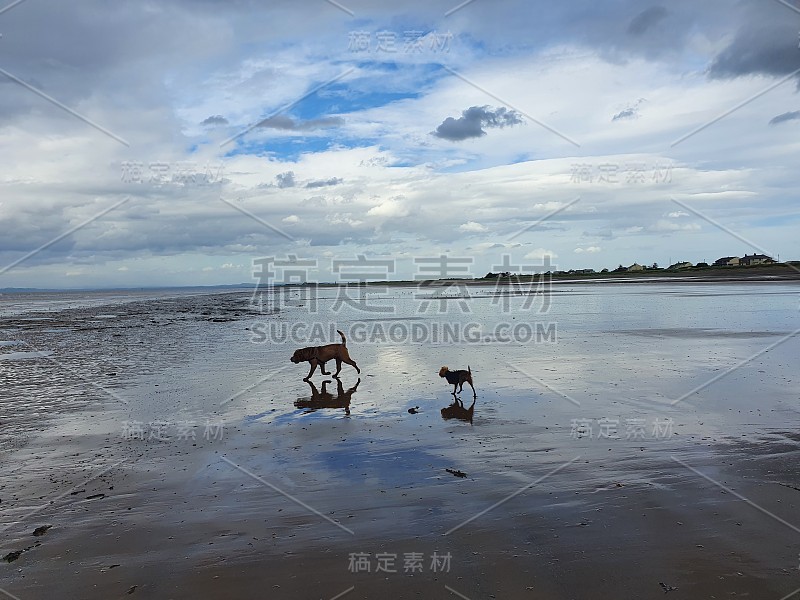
{"x": 458, "y": 379}
{"x": 319, "y": 355}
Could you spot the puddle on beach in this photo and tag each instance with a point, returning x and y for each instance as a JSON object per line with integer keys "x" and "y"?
{"x": 23, "y": 355}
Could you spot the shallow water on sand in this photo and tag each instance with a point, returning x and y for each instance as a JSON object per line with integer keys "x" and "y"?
{"x": 598, "y": 444}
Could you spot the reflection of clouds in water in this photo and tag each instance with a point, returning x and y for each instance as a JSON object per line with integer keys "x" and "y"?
{"x": 653, "y": 341}
{"x": 394, "y": 463}
{"x": 398, "y": 363}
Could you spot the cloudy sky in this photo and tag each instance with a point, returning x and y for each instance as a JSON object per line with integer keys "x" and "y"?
{"x": 174, "y": 142}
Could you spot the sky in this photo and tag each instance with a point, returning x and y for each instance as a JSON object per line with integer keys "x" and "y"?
{"x": 192, "y": 142}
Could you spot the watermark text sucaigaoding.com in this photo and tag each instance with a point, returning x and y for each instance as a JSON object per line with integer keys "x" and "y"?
{"x": 404, "y": 332}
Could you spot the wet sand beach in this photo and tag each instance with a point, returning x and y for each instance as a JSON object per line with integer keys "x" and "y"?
{"x": 642, "y": 442}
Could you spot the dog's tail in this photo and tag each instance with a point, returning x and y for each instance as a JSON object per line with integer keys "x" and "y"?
{"x": 344, "y": 339}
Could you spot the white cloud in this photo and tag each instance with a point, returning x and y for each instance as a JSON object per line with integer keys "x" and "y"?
{"x": 540, "y": 253}
{"x": 589, "y": 250}
{"x": 472, "y": 227}
{"x": 339, "y": 219}
{"x": 389, "y": 209}
{"x": 663, "y": 225}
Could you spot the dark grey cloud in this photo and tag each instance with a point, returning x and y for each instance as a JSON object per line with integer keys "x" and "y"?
{"x": 472, "y": 122}
{"x": 787, "y": 116}
{"x": 631, "y": 112}
{"x": 647, "y": 19}
{"x": 764, "y": 44}
{"x": 324, "y": 182}
{"x": 215, "y": 120}
{"x": 288, "y": 180}
{"x": 628, "y": 113}
{"x": 286, "y": 123}
{"x": 285, "y": 180}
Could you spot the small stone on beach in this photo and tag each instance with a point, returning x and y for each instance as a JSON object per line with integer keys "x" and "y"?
{"x": 456, "y": 472}
{"x": 12, "y": 556}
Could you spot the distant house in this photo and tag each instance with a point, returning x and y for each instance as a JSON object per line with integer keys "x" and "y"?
{"x": 727, "y": 261}
{"x": 681, "y": 265}
{"x": 755, "y": 259}
{"x": 635, "y": 267}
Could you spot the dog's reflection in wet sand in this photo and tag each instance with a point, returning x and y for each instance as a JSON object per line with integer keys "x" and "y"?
{"x": 325, "y": 399}
{"x": 457, "y": 411}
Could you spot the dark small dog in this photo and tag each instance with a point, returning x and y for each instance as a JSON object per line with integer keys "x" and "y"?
{"x": 457, "y": 411}
{"x": 319, "y": 355}
{"x": 458, "y": 379}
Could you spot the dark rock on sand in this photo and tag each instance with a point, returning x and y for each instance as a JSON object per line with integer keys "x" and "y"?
{"x": 456, "y": 472}
{"x": 12, "y": 556}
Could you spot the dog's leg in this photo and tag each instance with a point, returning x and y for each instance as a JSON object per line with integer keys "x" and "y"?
{"x": 313, "y": 362}
{"x": 322, "y": 369}
{"x": 352, "y": 363}
{"x": 474, "y": 394}
{"x": 338, "y": 367}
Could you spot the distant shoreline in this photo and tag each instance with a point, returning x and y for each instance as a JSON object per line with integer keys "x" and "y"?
{"x": 757, "y": 273}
